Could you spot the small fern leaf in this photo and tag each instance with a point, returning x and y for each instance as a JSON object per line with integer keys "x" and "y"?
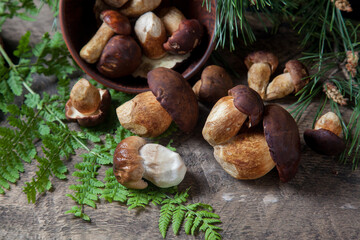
{"x": 178, "y": 218}
{"x": 166, "y": 214}
{"x": 190, "y": 216}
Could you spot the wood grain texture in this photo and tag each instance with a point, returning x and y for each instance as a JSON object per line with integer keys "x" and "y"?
{"x": 321, "y": 202}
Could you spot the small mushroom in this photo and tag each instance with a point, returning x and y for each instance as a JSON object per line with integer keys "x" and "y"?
{"x": 187, "y": 35}
{"x": 230, "y": 113}
{"x": 113, "y": 22}
{"x": 134, "y": 160}
{"x": 214, "y": 84}
{"x": 135, "y": 8}
{"x": 253, "y": 153}
{"x": 260, "y": 67}
{"x": 172, "y": 17}
{"x": 87, "y": 105}
{"x": 325, "y": 137}
{"x": 120, "y": 57}
{"x": 294, "y": 78}
{"x": 116, "y": 3}
{"x": 151, "y": 33}
{"x": 173, "y": 95}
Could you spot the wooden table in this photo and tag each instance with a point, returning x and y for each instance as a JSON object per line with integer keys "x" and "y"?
{"x": 321, "y": 202}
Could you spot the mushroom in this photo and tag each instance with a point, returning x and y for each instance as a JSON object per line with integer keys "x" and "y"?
{"x": 151, "y": 33}
{"x": 260, "y": 66}
{"x": 230, "y": 113}
{"x": 87, "y": 105}
{"x": 214, "y": 84}
{"x": 185, "y": 34}
{"x": 134, "y": 160}
{"x": 253, "y": 153}
{"x": 173, "y": 93}
{"x": 113, "y": 22}
{"x": 116, "y": 3}
{"x": 294, "y": 78}
{"x": 135, "y": 8}
{"x": 325, "y": 137}
{"x": 120, "y": 57}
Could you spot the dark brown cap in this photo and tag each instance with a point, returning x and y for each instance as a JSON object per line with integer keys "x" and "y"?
{"x": 116, "y": 21}
{"x": 324, "y": 141}
{"x": 176, "y": 96}
{"x": 249, "y": 102}
{"x": 282, "y": 136}
{"x": 186, "y": 38}
{"x": 262, "y": 57}
{"x": 298, "y": 72}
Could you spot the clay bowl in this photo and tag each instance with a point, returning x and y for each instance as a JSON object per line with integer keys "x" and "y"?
{"x": 78, "y": 25}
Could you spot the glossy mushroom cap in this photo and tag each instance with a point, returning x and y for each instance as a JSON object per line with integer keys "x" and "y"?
{"x": 175, "y": 96}
{"x": 116, "y": 21}
{"x": 186, "y": 38}
{"x": 214, "y": 84}
{"x": 324, "y": 141}
{"x": 249, "y": 102}
{"x": 298, "y": 72}
{"x": 282, "y": 136}
{"x": 262, "y": 57}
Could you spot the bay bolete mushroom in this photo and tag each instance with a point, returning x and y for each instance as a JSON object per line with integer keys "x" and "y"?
{"x": 135, "y": 8}
{"x": 294, "y": 78}
{"x": 214, "y": 84}
{"x": 325, "y": 137}
{"x": 174, "y": 97}
{"x": 185, "y": 33}
{"x": 134, "y": 159}
{"x": 120, "y": 57}
{"x": 260, "y": 66}
{"x": 113, "y": 22}
{"x": 87, "y": 105}
{"x": 253, "y": 153}
{"x": 116, "y": 3}
{"x": 229, "y": 114}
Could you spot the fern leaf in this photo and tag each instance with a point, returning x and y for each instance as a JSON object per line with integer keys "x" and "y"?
{"x": 190, "y": 216}
{"x": 166, "y": 215}
{"x": 178, "y": 218}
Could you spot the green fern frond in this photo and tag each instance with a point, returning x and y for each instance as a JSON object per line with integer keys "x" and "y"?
{"x": 166, "y": 215}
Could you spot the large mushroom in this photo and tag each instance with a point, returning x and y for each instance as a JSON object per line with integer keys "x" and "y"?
{"x": 113, "y": 22}
{"x": 171, "y": 95}
{"x": 134, "y": 159}
{"x": 214, "y": 84}
{"x": 294, "y": 78}
{"x": 260, "y": 66}
{"x": 135, "y": 8}
{"x": 87, "y": 105}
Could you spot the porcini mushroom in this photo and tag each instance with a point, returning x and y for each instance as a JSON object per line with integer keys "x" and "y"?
{"x": 113, "y": 22}
{"x": 173, "y": 94}
{"x": 325, "y": 137}
{"x": 187, "y": 34}
{"x": 260, "y": 66}
{"x": 135, "y": 8}
{"x": 116, "y": 3}
{"x": 294, "y": 78}
{"x": 87, "y": 105}
{"x": 120, "y": 57}
{"x": 134, "y": 160}
{"x": 253, "y": 153}
{"x": 151, "y": 33}
{"x": 214, "y": 84}
{"x": 230, "y": 113}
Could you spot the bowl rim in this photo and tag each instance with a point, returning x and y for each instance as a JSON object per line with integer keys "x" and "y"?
{"x": 111, "y": 84}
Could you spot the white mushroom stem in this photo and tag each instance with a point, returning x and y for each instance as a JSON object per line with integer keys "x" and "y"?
{"x": 92, "y": 50}
{"x": 163, "y": 167}
{"x": 329, "y": 121}
{"x": 258, "y": 77}
{"x": 172, "y": 19}
{"x": 280, "y": 87}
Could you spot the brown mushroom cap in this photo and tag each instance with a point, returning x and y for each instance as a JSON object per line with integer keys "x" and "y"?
{"x": 186, "y": 38}
{"x": 90, "y": 120}
{"x": 115, "y": 3}
{"x": 262, "y": 57}
{"x": 120, "y": 57}
{"x": 324, "y": 141}
{"x": 127, "y": 163}
{"x": 298, "y": 72}
{"x": 116, "y": 21}
{"x": 282, "y": 136}
{"x": 214, "y": 84}
{"x": 175, "y": 96}
{"x": 248, "y": 102}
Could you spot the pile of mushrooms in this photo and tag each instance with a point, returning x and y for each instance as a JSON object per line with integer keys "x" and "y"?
{"x": 249, "y": 139}
{"x": 261, "y": 65}
{"x": 161, "y": 41}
